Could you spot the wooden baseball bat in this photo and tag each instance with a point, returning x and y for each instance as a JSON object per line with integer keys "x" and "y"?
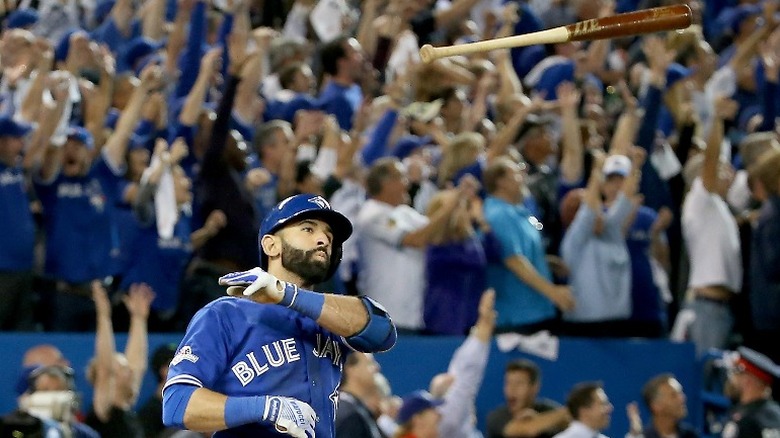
{"x": 630, "y": 23}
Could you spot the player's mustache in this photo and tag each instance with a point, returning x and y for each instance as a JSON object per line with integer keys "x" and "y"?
{"x": 311, "y": 252}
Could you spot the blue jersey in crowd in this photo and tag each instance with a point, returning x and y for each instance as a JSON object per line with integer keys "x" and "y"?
{"x": 79, "y": 234}
{"x": 18, "y": 236}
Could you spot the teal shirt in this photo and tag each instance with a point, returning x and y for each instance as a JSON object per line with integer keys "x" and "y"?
{"x": 516, "y": 302}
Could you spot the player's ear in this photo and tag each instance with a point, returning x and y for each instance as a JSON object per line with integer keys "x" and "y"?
{"x": 271, "y": 245}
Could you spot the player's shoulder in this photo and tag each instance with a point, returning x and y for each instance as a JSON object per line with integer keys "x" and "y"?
{"x": 235, "y": 312}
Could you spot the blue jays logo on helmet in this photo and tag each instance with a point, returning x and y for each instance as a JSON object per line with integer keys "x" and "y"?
{"x": 306, "y": 206}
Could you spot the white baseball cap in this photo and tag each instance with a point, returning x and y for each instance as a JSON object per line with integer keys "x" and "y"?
{"x": 616, "y": 165}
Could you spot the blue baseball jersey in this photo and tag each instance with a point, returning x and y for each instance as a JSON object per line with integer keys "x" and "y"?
{"x": 77, "y": 216}
{"x": 239, "y": 347}
{"x": 18, "y": 236}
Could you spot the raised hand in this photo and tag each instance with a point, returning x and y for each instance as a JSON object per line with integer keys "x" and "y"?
{"x": 211, "y": 63}
{"x": 139, "y": 300}
{"x": 568, "y": 95}
{"x": 658, "y": 56}
{"x": 247, "y": 283}
{"x": 178, "y": 150}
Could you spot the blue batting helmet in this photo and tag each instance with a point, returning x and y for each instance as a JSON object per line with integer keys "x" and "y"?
{"x": 306, "y": 206}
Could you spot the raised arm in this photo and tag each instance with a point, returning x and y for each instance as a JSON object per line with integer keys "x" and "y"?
{"x": 116, "y": 145}
{"x": 572, "y": 156}
{"x": 724, "y": 109}
{"x": 138, "y": 301}
{"x": 101, "y": 374}
{"x": 152, "y": 15}
{"x": 422, "y": 237}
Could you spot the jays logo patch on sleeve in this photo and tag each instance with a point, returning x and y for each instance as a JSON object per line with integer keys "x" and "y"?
{"x": 184, "y": 353}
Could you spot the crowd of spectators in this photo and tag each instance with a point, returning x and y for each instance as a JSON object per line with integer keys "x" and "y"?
{"x": 617, "y": 188}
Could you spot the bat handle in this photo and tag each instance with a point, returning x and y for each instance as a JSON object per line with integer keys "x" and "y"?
{"x": 428, "y": 53}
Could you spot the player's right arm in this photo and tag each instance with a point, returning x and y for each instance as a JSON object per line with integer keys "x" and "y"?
{"x": 201, "y": 360}
{"x": 203, "y": 410}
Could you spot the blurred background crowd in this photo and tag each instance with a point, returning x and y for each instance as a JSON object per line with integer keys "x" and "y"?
{"x": 615, "y": 188}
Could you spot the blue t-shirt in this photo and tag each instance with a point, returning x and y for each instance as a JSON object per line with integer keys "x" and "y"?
{"x": 239, "y": 347}
{"x": 517, "y": 232}
{"x": 343, "y": 102}
{"x": 18, "y": 236}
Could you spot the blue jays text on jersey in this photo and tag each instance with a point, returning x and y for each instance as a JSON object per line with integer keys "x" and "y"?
{"x": 238, "y": 347}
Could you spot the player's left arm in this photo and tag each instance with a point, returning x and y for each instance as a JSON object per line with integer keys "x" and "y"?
{"x": 363, "y": 323}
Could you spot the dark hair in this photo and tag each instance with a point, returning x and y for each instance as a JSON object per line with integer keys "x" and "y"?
{"x": 650, "y": 390}
{"x": 526, "y": 366}
{"x": 495, "y": 171}
{"x": 161, "y": 357}
{"x": 331, "y": 53}
{"x": 581, "y": 396}
{"x": 353, "y": 358}
{"x": 378, "y": 174}
{"x": 445, "y": 94}
{"x": 302, "y": 171}
{"x": 287, "y": 74}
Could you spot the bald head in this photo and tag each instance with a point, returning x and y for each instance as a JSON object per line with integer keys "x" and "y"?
{"x": 44, "y": 355}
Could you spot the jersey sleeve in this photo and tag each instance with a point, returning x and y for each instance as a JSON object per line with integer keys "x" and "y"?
{"x": 203, "y": 352}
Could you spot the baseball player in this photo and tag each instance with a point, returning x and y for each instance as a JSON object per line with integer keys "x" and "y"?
{"x": 270, "y": 365}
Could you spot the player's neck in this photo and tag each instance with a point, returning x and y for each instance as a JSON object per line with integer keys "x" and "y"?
{"x": 290, "y": 277}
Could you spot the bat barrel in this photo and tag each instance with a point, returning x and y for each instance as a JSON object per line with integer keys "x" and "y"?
{"x": 632, "y": 23}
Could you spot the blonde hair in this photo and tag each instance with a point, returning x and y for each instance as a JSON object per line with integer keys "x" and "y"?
{"x": 766, "y": 170}
{"x": 455, "y": 230}
{"x": 460, "y": 153}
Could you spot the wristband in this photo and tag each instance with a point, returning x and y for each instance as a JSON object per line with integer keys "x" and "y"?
{"x": 304, "y": 301}
{"x": 244, "y": 410}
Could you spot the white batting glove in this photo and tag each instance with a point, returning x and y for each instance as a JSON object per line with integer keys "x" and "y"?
{"x": 290, "y": 416}
{"x": 246, "y": 283}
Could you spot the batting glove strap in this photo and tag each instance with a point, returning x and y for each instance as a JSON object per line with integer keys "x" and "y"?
{"x": 304, "y": 301}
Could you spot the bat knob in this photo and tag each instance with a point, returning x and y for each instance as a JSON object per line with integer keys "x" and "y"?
{"x": 427, "y": 53}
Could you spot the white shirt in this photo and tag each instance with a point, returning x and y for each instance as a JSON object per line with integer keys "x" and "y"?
{"x": 391, "y": 273}
{"x": 578, "y": 429}
{"x": 712, "y": 239}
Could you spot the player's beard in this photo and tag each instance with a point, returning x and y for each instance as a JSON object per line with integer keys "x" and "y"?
{"x": 304, "y": 264}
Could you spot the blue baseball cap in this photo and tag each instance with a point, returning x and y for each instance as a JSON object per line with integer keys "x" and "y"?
{"x": 63, "y": 45}
{"x": 21, "y": 18}
{"x": 740, "y": 14}
{"x": 12, "y": 128}
{"x": 415, "y": 403}
{"x": 81, "y": 134}
{"x": 137, "y": 51}
{"x": 676, "y": 72}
